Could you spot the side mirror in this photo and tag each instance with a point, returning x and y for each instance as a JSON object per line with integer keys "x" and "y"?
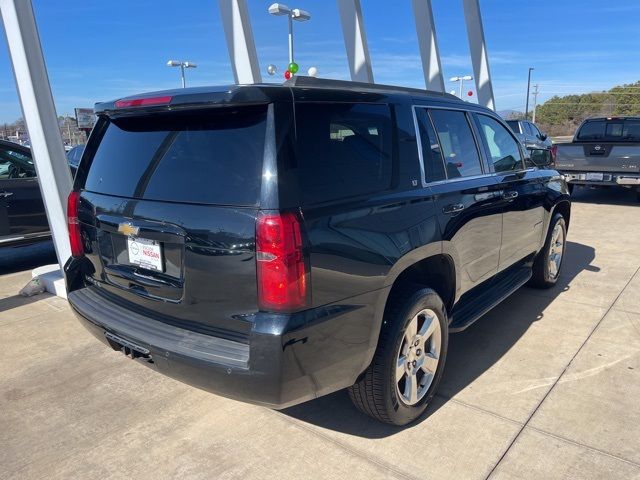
{"x": 543, "y": 136}
{"x": 541, "y": 158}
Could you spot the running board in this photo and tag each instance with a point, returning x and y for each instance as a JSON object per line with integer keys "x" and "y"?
{"x": 487, "y": 296}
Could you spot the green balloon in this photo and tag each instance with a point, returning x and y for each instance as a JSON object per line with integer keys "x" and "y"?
{"x": 293, "y": 67}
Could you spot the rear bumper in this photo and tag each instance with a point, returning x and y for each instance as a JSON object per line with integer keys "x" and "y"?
{"x": 288, "y": 359}
{"x": 608, "y": 179}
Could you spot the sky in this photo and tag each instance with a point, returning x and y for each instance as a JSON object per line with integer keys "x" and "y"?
{"x": 97, "y": 51}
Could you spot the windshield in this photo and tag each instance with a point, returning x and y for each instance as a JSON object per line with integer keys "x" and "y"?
{"x": 614, "y": 130}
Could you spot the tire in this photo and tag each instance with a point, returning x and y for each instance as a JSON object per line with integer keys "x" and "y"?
{"x": 377, "y": 393}
{"x": 545, "y": 275}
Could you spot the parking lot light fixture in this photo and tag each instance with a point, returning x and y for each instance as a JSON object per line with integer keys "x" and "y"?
{"x": 461, "y": 79}
{"x": 279, "y": 9}
{"x": 182, "y": 65}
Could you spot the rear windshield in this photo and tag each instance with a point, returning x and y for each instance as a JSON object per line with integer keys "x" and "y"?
{"x": 615, "y": 130}
{"x": 208, "y": 157}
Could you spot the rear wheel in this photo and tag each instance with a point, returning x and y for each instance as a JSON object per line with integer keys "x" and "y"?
{"x": 546, "y": 268}
{"x": 409, "y": 361}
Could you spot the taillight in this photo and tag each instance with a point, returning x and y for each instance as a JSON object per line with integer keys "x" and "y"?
{"x": 143, "y": 102}
{"x": 75, "y": 239}
{"x": 554, "y": 152}
{"x": 280, "y": 262}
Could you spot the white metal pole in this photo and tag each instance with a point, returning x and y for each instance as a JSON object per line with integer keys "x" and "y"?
{"x": 428, "y": 44}
{"x": 355, "y": 40}
{"x": 240, "y": 43}
{"x": 479, "y": 55}
{"x": 184, "y": 84}
{"x": 290, "y": 18}
{"x": 461, "y": 84}
{"x": 40, "y": 117}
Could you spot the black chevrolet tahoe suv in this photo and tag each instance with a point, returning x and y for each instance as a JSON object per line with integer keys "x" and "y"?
{"x": 276, "y": 243}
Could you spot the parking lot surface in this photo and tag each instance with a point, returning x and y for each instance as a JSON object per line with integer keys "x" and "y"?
{"x": 547, "y": 385}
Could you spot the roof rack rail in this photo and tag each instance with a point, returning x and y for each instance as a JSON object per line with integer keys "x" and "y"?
{"x": 303, "y": 81}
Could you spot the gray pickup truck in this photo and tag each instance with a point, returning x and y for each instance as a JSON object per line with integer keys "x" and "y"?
{"x": 604, "y": 152}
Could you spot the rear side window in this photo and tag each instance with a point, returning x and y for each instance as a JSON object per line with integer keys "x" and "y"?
{"x": 212, "y": 157}
{"x": 457, "y": 143}
{"x": 431, "y": 153}
{"x": 343, "y": 150}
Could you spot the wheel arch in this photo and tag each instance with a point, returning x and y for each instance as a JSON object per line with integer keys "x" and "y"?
{"x": 432, "y": 266}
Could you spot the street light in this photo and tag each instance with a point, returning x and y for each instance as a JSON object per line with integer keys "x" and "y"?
{"x": 182, "y": 65}
{"x": 526, "y": 109}
{"x": 296, "y": 14}
{"x": 461, "y": 79}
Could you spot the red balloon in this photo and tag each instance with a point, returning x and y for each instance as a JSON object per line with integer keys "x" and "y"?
{"x": 470, "y": 93}
{"x": 287, "y": 74}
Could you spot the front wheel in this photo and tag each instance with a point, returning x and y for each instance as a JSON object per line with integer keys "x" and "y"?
{"x": 546, "y": 268}
{"x": 409, "y": 361}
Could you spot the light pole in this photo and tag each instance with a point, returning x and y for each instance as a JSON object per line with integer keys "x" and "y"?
{"x": 296, "y": 14}
{"x": 461, "y": 79}
{"x": 535, "y": 101}
{"x": 182, "y": 65}
{"x": 526, "y": 108}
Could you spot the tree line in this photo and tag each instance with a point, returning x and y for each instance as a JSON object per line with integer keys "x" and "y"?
{"x": 562, "y": 115}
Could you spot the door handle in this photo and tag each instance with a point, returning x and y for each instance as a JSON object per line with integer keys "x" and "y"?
{"x": 5, "y": 194}
{"x": 510, "y": 195}
{"x": 453, "y": 208}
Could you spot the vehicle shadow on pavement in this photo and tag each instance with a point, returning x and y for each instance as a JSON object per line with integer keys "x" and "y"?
{"x": 16, "y": 301}
{"x": 605, "y": 196}
{"x": 18, "y": 259}
{"x": 471, "y": 353}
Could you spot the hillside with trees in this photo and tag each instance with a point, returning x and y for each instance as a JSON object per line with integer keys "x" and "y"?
{"x": 562, "y": 115}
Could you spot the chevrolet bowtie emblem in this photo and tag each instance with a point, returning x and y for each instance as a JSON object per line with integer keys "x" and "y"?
{"x": 128, "y": 229}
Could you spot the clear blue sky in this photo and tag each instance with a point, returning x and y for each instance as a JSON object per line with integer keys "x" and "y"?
{"x": 99, "y": 50}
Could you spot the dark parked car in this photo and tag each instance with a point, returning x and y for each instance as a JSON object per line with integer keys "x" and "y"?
{"x": 539, "y": 144}
{"x": 22, "y": 216}
{"x": 276, "y": 243}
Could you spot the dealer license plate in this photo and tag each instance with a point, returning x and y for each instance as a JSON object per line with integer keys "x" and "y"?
{"x": 146, "y": 253}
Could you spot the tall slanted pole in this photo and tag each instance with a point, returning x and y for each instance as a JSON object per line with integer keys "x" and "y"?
{"x": 428, "y": 44}
{"x": 40, "y": 117}
{"x": 240, "y": 43}
{"x": 355, "y": 40}
{"x": 479, "y": 55}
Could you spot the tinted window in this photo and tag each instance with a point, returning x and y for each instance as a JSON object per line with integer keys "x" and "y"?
{"x": 526, "y": 126}
{"x": 502, "y": 147}
{"x": 75, "y": 154}
{"x": 457, "y": 143}
{"x": 631, "y": 130}
{"x": 343, "y": 150}
{"x": 430, "y": 148}
{"x": 591, "y": 131}
{"x": 515, "y": 125}
{"x": 15, "y": 164}
{"x": 210, "y": 157}
{"x": 613, "y": 130}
